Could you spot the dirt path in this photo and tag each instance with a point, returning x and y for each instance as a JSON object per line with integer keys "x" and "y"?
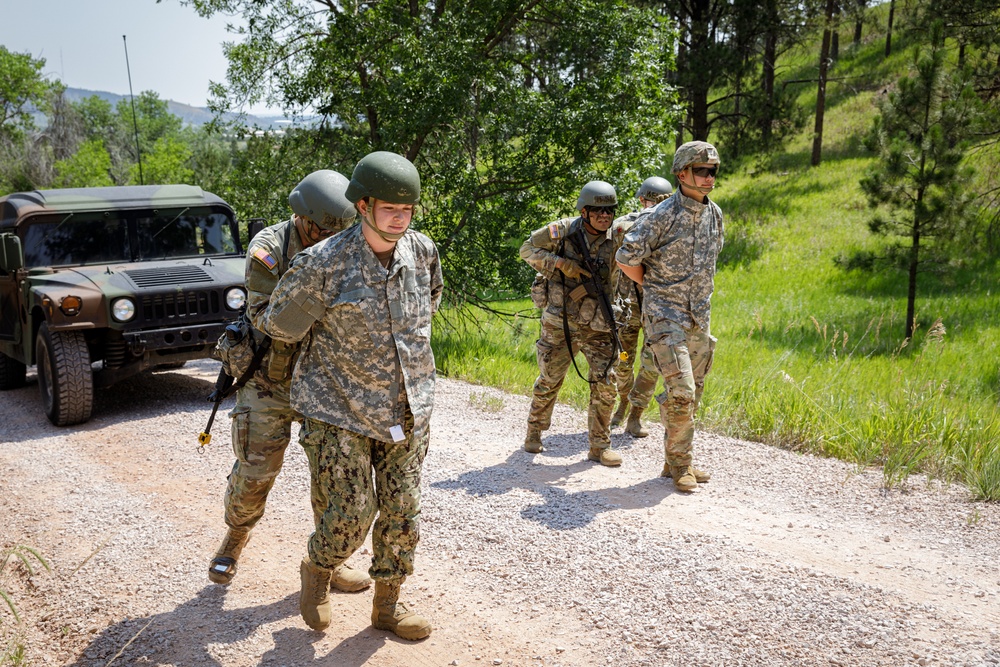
{"x": 524, "y": 560}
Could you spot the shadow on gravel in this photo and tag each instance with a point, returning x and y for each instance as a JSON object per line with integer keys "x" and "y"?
{"x": 145, "y": 395}
{"x": 292, "y": 646}
{"x": 192, "y": 634}
{"x": 561, "y": 509}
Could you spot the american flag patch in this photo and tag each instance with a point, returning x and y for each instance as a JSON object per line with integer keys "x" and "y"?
{"x": 555, "y": 231}
{"x": 265, "y": 258}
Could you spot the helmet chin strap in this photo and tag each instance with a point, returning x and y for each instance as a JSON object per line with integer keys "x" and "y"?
{"x": 385, "y": 236}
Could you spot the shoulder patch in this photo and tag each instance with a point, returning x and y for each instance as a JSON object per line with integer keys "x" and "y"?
{"x": 555, "y": 231}
{"x": 265, "y": 258}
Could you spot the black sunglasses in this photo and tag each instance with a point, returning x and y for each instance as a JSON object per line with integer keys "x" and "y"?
{"x": 705, "y": 172}
{"x": 602, "y": 209}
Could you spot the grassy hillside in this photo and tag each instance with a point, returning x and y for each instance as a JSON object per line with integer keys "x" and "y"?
{"x": 811, "y": 357}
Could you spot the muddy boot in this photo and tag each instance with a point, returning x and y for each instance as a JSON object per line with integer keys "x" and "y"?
{"x": 619, "y": 415}
{"x": 314, "y": 598}
{"x": 222, "y": 569}
{"x": 683, "y": 477}
{"x": 700, "y": 476}
{"x": 606, "y": 457}
{"x": 634, "y": 425}
{"x": 390, "y": 614}
{"x": 348, "y": 580}
{"x": 533, "y": 441}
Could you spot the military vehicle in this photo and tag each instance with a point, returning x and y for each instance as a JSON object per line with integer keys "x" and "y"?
{"x": 98, "y": 284}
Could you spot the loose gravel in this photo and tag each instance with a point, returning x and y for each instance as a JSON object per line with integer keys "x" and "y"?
{"x": 548, "y": 559}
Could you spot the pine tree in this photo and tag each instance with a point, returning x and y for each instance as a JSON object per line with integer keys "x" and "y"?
{"x": 919, "y": 187}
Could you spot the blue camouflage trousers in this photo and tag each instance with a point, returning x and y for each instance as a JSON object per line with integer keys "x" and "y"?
{"x": 345, "y": 465}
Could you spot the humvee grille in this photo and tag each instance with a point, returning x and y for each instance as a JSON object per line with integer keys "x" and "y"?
{"x": 179, "y": 305}
{"x": 176, "y": 275}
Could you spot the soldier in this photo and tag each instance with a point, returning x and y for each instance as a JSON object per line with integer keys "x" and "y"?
{"x": 365, "y": 385}
{"x": 672, "y": 253}
{"x": 635, "y": 391}
{"x": 573, "y": 318}
{"x": 262, "y": 417}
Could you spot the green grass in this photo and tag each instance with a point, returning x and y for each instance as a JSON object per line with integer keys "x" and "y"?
{"x": 810, "y": 357}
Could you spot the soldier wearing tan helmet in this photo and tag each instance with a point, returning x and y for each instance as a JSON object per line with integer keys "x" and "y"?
{"x": 635, "y": 391}
{"x": 262, "y": 417}
{"x": 365, "y": 385}
{"x": 672, "y": 253}
{"x": 572, "y": 317}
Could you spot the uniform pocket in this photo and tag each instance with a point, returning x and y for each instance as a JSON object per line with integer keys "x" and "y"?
{"x": 241, "y": 432}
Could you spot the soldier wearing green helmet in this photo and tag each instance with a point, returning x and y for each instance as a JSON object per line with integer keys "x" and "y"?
{"x": 365, "y": 385}
{"x": 262, "y": 417}
{"x": 672, "y": 252}
{"x": 635, "y": 391}
{"x": 572, "y": 317}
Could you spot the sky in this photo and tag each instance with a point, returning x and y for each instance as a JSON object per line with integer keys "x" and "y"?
{"x": 171, "y": 49}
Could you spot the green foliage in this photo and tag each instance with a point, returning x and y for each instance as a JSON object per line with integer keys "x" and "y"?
{"x": 505, "y": 109}
{"x": 166, "y": 162}
{"x": 89, "y": 166}
{"x": 22, "y": 88}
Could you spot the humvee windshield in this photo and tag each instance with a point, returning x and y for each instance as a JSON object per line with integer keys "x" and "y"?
{"x": 74, "y": 239}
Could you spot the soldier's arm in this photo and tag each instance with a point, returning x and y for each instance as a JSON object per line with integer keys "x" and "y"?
{"x": 297, "y": 301}
{"x": 539, "y": 250}
{"x": 261, "y": 279}
{"x": 633, "y": 250}
{"x": 437, "y": 282}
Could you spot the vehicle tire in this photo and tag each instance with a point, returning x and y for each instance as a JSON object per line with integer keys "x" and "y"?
{"x": 65, "y": 379}
{"x": 12, "y": 372}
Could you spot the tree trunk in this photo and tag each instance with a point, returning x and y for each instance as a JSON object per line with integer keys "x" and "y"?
{"x": 770, "y": 53}
{"x": 859, "y": 22}
{"x": 824, "y": 58}
{"x": 698, "y": 28}
{"x": 911, "y": 289}
{"x": 835, "y": 33}
{"x": 888, "y": 32}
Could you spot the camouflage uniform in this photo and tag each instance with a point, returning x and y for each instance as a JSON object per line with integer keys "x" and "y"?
{"x": 588, "y": 330}
{"x": 262, "y": 417}
{"x": 365, "y": 385}
{"x": 678, "y": 243}
{"x": 636, "y": 389}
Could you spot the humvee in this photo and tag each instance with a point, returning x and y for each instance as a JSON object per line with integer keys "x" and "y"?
{"x": 98, "y": 284}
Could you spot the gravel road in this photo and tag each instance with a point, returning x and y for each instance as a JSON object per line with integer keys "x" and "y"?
{"x": 782, "y": 559}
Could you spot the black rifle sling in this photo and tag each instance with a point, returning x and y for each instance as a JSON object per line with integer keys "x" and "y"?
{"x": 602, "y": 297}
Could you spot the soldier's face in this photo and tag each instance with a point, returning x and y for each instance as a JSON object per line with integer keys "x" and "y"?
{"x": 390, "y": 218}
{"x": 600, "y": 217}
{"x": 309, "y": 232}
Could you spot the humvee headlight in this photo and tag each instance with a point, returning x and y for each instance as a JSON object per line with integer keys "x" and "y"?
{"x": 123, "y": 310}
{"x": 235, "y": 298}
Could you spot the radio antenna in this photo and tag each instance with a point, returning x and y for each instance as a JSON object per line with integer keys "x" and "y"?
{"x": 135, "y": 124}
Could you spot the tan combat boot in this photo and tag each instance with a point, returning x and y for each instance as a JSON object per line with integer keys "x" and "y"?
{"x": 606, "y": 457}
{"x": 700, "y": 476}
{"x": 388, "y": 613}
{"x": 619, "y": 415}
{"x": 533, "y": 441}
{"x": 348, "y": 580}
{"x": 634, "y": 426}
{"x": 683, "y": 477}
{"x": 222, "y": 569}
{"x": 314, "y": 598}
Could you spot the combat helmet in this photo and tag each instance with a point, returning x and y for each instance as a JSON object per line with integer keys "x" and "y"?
{"x": 655, "y": 189}
{"x": 321, "y": 197}
{"x": 694, "y": 152}
{"x": 386, "y": 176}
{"x": 597, "y": 193}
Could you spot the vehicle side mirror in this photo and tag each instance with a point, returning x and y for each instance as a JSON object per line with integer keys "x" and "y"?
{"x": 254, "y": 226}
{"x": 11, "y": 257}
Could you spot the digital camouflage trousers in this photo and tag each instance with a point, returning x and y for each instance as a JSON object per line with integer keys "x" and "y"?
{"x": 684, "y": 358}
{"x": 635, "y": 388}
{"x": 344, "y": 470}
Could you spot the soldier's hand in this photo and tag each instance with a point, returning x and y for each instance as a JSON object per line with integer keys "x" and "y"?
{"x": 571, "y": 269}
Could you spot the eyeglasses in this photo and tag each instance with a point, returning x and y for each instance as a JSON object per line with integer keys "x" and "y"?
{"x": 608, "y": 210}
{"x": 320, "y": 232}
{"x": 705, "y": 172}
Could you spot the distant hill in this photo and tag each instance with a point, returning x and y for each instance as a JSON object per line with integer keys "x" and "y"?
{"x": 189, "y": 114}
